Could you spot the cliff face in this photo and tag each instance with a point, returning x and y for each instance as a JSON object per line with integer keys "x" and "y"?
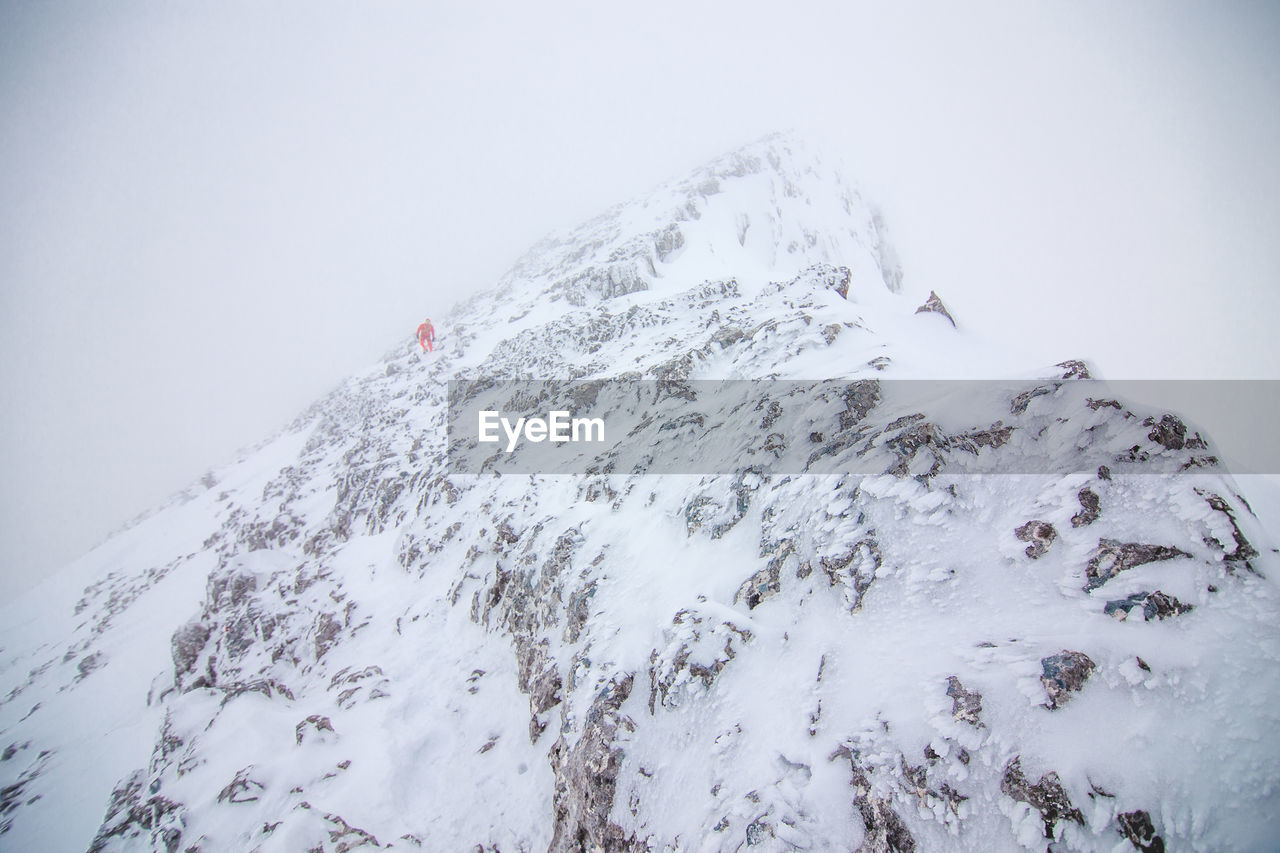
{"x": 341, "y": 641}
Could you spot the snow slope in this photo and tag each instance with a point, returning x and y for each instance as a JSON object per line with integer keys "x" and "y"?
{"x": 339, "y": 641}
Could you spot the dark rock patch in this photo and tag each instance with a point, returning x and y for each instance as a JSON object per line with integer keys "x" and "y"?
{"x": 1170, "y": 432}
{"x": 1113, "y": 557}
{"x": 1244, "y": 552}
{"x": 1074, "y": 369}
{"x": 241, "y": 789}
{"x": 854, "y": 569}
{"x": 1090, "y": 508}
{"x": 934, "y": 305}
{"x": 1155, "y": 605}
{"x": 317, "y": 722}
{"x": 1137, "y": 827}
{"x": 763, "y": 584}
{"x": 1064, "y": 674}
{"x": 885, "y": 831}
{"x": 1046, "y": 796}
{"x": 1039, "y": 533}
{"x": 586, "y": 779}
{"x": 966, "y": 705}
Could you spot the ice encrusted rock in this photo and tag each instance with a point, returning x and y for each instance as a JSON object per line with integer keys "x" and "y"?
{"x": 1064, "y": 674}
{"x": 1039, "y": 533}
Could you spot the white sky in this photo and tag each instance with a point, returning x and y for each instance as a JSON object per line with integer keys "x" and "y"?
{"x": 209, "y": 216}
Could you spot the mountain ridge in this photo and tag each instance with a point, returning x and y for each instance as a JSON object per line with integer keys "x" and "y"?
{"x": 339, "y": 641}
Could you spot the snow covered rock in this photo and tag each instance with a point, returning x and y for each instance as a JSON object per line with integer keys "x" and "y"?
{"x": 347, "y": 639}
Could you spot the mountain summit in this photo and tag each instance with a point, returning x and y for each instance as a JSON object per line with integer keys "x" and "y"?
{"x": 348, "y": 639}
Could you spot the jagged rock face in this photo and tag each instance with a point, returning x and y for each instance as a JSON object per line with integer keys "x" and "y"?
{"x": 340, "y": 643}
{"x": 933, "y": 305}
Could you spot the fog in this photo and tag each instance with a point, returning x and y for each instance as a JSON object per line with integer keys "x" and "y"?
{"x": 209, "y": 216}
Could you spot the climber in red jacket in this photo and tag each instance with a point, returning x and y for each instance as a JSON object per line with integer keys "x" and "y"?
{"x": 427, "y": 335}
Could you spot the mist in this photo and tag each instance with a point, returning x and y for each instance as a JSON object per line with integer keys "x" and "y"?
{"x": 210, "y": 216}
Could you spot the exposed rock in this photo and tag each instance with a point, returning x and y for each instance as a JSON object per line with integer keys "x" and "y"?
{"x": 1018, "y": 405}
{"x": 1064, "y": 674}
{"x": 537, "y": 675}
{"x": 836, "y": 278}
{"x": 696, "y": 650}
{"x": 760, "y": 586}
{"x": 1113, "y": 557}
{"x": 1137, "y": 827}
{"x": 326, "y": 633}
{"x": 88, "y": 664}
{"x": 128, "y": 817}
{"x": 186, "y": 645}
{"x": 668, "y": 241}
{"x": 859, "y": 399}
{"x": 727, "y": 336}
{"x": 1046, "y": 796}
{"x": 230, "y": 587}
{"x": 772, "y": 412}
{"x": 966, "y": 705}
{"x": 586, "y": 779}
{"x": 1090, "y": 508}
{"x": 1170, "y": 433}
{"x": 1243, "y": 552}
{"x": 1039, "y": 533}
{"x": 318, "y": 724}
{"x": 885, "y": 831}
{"x": 1155, "y": 605}
{"x": 909, "y": 441}
{"x": 758, "y": 831}
{"x": 934, "y": 304}
{"x": 1074, "y": 369}
{"x": 241, "y": 789}
{"x": 993, "y": 436}
{"x": 345, "y": 837}
{"x": 854, "y": 569}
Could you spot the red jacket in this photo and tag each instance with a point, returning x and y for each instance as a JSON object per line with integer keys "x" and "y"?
{"x": 426, "y": 332}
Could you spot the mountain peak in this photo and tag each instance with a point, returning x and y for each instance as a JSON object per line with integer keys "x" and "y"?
{"x": 763, "y": 212}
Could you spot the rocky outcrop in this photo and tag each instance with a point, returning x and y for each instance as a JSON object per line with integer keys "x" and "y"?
{"x": 1063, "y": 675}
{"x": 1039, "y": 533}
{"x": 1046, "y": 796}
{"x": 1141, "y": 832}
{"x": 696, "y": 649}
{"x": 1154, "y": 605}
{"x": 1112, "y": 557}
{"x": 934, "y": 305}
{"x": 1090, "y": 508}
{"x": 966, "y": 705}
{"x": 1074, "y": 369}
{"x": 586, "y": 778}
{"x": 1242, "y": 552}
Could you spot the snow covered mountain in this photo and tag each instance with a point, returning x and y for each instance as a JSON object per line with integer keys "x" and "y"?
{"x": 343, "y": 641}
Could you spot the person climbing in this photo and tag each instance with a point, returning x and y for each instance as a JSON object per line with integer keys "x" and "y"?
{"x": 427, "y": 335}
